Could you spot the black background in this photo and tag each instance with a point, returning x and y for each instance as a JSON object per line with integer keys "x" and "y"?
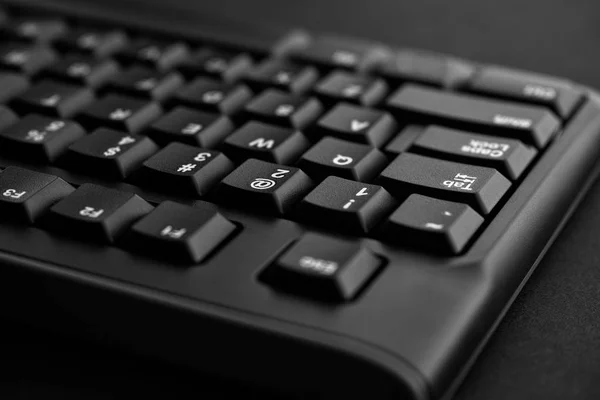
{"x": 548, "y": 346}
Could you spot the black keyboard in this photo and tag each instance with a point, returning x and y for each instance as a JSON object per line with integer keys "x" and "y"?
{"x": 311, "y": 213}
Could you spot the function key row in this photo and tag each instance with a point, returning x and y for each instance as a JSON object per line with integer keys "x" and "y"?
{"x": 91, "y": 212}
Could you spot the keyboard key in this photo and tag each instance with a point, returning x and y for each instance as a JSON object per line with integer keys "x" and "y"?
{"x": 180, "y": 168}
{"x": 553, "y": 93}
{"x": 12, "y": 85}
{"x": 279, "y": 108}
{"x": 224, "y": 65}
{"x": 122, "y": 113}
{"x": 346, "y": 206}
{"x": 265, "y": 142}
{"x": 93, "y": 42}
{"x": 530, "y": 124}
{"x": 25, "y": 59}
{"x": 35, "y": 29}
{"x": 348, "y": 160}
{"x": 343, "y": 86}
{"x": 402, "y": 141}
{"x": 508, "y": 156}
{"x": 425, "y": 68}
{"x": 54, "y": 99}
{"x": 96, "y": 213}
{"x": 333, "y": 52}
{"x": 185, "y": 125}
{"x": 158, "y": 54}
{"x": 323, "y": 267}
{"x": 26, "y": 195}
{"x": 356, "y": 124}
{"x": 7, "y": 118}
{"x": 283, "y": 75}
{"x": 180, "y": 233}
{"x": 434, "y": 225}
{"x": 146, "y": 83}
{"x": 480, "y": 187}
{"x": 83, "y": 70}
{"x": 214, "y": 96}
{"x": 39, "y": 138}
{"x": 109, "y": 153}
{"x": 262, "y": 186}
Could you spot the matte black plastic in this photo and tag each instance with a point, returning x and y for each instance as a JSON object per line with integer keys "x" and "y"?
{"x": 413, "y": 329}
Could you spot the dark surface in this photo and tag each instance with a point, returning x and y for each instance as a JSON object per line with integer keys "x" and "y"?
{"x": 548, "y": 346}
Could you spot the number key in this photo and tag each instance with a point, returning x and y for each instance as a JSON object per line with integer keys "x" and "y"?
{"x": 53, "y": 99}
{"x": 346, "y": 205}
{"x": 263, "y": 186}
{"x": 180, "y": 168}
{"x": 82, "y": 70}
{"x": 122, "y": 113}
{"x": 109, "y": 153}
{"x": 41, "y": 30}
{"x": 26, "y": 59}
{"x": 92, "y": 42}
{"x": 39, "y": 138}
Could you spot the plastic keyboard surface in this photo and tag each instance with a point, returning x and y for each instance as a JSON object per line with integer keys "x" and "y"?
{"x": 312, "y": 213}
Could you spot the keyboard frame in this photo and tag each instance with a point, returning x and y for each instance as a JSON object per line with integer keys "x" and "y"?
{"x": 444, "y": 309}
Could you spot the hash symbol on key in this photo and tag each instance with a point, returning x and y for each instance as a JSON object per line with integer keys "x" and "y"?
{"x": 186, "y": 168}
